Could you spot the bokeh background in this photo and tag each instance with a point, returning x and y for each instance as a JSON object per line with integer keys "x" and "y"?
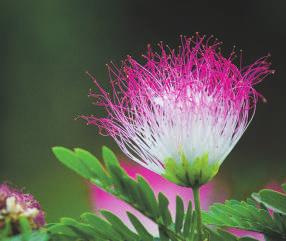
{"x": 46, "y": 47}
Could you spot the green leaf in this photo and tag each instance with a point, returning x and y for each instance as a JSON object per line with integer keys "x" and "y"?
{"x": 61, "y": 229}
{"x": 101, "y": 226}
{"x": 274, "y": 200}
{"x": 71, "y": 160}
{"x": 179, "y": 214}
{"x": 6, "y": 230}
{"x": 25, "y": 228}
{"x": 84, "y": 230}
{"x": 244, "y": 216}
{"x": 222, "y": 235}
{"x": 119, "y": 180}
{"x": 188, "y": 220}
{"x": 40, "y": 235}
{"x": 114, "y": 170}
{"x": 163, "y": 235}
{"x": 93, "y": 164}
{"x": 164, "y": 211}
{"x": 226, "y": 236}
{"x": 119, "y": 226}
{"x": 135, "y": 195}
{"x": 109, "y": 157}
{"x": 69, "y": 229}
{"x": 284, "y": 187}
{"x": 148, "y": 197}
{"x": 248, "y": 239}
{"x": 143, "y": 233}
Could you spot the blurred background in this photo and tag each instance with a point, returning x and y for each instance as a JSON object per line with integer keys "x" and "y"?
{"x": 46, "y": 47}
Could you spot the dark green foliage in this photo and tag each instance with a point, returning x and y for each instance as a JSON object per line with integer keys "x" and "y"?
{"x": 271, "y": 199}
{"x": 253, "y": 215}
{"x": 164, "y": 211}
{"x": 137, "y": 193}
{"x": 188, "y": 221}
{"x": 179, "y": 214}
{"x": 221, "y": 235}
{"x": 119, "y": 226}
{"x": 94, "y": 228}
{"x": 23, "y": 229}
{"x": 33, "y": 236}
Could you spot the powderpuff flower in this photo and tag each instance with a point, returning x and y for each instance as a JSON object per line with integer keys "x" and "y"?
{"x": 14, "y": 204}
{"x": 181, "y": 112}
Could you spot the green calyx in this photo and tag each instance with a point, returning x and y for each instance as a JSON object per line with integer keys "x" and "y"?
{"x": 190, "y": 173}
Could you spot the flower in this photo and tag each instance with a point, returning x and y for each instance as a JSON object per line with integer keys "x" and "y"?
{"x": 181, "y": 112}
{"x": 14, "y": 204}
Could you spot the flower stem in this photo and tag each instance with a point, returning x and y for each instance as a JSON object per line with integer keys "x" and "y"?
{"x": 196, "y": 193}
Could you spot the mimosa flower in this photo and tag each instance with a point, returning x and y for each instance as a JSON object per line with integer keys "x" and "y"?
{"x": 181, "y": 112}
{"x": 14, "y": 204}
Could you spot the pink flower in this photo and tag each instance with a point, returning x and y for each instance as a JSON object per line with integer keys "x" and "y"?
{"x": 15, "y": 204}
{"x": 102, "y": 200}
{"x": 187, "y": 105}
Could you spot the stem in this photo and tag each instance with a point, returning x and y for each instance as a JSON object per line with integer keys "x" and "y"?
{"x": 172, "y": 235}
{"x": 196, "y": 193}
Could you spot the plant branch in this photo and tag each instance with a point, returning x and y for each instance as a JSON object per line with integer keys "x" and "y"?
{"x": 196, "y": 193}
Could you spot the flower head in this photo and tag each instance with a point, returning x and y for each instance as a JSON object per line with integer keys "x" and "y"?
{"x": 14, "y": 204}
{"x": 181, "y": 112}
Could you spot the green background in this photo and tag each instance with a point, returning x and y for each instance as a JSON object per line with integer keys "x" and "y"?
{"x": 46, "y": 47}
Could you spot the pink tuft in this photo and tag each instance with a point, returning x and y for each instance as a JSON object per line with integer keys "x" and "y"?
{"x": 26, "y": 201}
{"x": 191, "y": 98}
